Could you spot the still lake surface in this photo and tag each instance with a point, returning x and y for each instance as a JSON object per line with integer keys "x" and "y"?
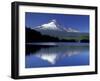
{"x": 56, "y": 54}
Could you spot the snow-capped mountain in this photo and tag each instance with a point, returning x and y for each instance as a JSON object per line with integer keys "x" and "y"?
{"x": 53, "y": 29}
{"x": 53, "y": 25}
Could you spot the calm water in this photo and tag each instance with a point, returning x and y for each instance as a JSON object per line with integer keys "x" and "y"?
{"x": 56, "y": 54}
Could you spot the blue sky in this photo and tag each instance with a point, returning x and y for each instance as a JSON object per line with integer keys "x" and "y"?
{"x": 78, "y": 22}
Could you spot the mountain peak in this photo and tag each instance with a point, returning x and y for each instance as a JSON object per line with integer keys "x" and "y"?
{"x": 53, "y": 25}
{"x": 53, "y": 20}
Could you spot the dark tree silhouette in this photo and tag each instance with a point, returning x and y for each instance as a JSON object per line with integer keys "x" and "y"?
{"x": 35, "y": 36}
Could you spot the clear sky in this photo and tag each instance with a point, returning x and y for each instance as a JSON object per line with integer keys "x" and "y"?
{"x": 78, "y": 22}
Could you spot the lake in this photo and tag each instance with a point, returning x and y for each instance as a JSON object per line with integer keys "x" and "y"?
{"x": 56, "y": 54}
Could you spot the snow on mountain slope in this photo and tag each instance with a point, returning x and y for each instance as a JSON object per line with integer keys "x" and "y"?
{"x": 53, "y": 25}
{"x": 72, "y": 30}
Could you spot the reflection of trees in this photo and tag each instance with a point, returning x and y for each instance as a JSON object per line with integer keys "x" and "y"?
{"x": 32, "y": 49}
{"x": 52, "y": 54}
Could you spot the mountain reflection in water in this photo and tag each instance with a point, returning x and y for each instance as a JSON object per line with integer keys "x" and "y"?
{"x": 56, "y": 55}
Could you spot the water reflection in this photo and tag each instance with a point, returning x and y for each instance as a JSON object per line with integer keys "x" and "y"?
{"x": 61, "y": 55}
